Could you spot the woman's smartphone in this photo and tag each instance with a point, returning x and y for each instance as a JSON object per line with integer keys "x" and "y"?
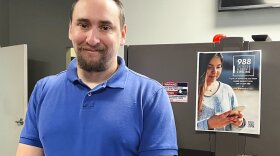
{"x": 238, "y": 108}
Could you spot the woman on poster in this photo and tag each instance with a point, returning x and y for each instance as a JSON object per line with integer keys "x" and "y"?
{"x": 217, "y": 102}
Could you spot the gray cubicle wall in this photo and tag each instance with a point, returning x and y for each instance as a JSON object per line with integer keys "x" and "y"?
{"x": 177, "y": 62}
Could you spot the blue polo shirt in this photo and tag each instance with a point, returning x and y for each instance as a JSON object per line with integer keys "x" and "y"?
{"x": 127, "y": 115}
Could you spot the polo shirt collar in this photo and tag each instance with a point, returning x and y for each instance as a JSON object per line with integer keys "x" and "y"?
{"x": 72, "y": 71}
{"x": 117, "y": 80}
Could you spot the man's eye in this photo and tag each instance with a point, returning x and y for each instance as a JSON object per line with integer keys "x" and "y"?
{"x": 83, "y": 25}
{"x": 105, "y": 28}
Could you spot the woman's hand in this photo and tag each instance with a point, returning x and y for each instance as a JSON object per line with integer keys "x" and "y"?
{"x": 219, "y": 121}
{"x": 236, "y": 118}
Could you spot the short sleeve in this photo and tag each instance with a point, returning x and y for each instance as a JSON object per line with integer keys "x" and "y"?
{"x": 159, "y": 131}
{"x": 29, "y": 134}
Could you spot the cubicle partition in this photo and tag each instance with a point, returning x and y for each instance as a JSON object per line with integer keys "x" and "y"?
{"x": 178, "y": 63}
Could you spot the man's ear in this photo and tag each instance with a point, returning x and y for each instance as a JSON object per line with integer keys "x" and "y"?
{"x": 123, "y": 35}
{"x": 69, "y": 31}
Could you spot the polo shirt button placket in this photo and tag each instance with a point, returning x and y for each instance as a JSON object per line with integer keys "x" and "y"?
{"x": 86, "y": 103}
{"x": 89, "y": 94}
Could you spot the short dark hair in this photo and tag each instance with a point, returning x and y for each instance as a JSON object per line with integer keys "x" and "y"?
{"x": 119, "y": 4}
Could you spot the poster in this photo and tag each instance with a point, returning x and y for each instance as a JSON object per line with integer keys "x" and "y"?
{"x": 228, "y": 91}
{"x": 177, "y": 91}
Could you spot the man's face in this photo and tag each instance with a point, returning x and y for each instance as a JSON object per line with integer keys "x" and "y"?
{"x": 96, "y": 34}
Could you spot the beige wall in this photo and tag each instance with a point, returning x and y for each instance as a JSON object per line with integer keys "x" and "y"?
{"x": 190, "y": 21}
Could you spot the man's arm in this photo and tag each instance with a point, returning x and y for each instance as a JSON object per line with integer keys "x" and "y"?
{"x": 27, "y": 150}
{"x": 159, "y": 130}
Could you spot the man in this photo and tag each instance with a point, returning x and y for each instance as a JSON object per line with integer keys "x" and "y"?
{"x": 98, "y": 106}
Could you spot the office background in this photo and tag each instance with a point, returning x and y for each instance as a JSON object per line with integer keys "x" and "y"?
{"x": 43, "y": 26}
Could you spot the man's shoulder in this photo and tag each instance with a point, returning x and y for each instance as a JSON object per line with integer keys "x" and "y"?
{"x": 48, "y": 83}
{"x": 52, "y": 79}
{"x": 137, "y": 78}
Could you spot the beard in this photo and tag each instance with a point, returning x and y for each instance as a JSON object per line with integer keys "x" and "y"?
{"x": 92, "y": 65}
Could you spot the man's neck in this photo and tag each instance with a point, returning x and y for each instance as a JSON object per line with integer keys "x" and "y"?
{"x": 92, "y": 79}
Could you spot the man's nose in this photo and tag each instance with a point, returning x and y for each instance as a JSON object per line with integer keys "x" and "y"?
{"x": 93, "y": 37}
